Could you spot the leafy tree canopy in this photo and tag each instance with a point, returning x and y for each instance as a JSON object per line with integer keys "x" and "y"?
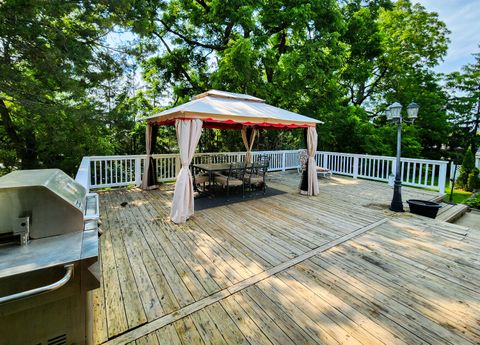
{"x": 464, "y": 105}
{"x": 52, "y": 61}
{"x": 65, "y": 91}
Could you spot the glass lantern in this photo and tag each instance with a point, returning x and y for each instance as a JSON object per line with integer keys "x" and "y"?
{"x": 395, "y": 110}
{"x": 412, "y": 110}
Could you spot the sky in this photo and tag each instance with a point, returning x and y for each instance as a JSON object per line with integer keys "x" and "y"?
{"x": 462, "y": 18}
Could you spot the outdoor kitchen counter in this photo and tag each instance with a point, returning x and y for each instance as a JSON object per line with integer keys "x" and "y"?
{"x": 46, "y": 252}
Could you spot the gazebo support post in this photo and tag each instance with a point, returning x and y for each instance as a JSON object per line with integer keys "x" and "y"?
{"x": 312, "y": 143}
{"x": 248, "y": 137}
{"x": 304, "y": 178}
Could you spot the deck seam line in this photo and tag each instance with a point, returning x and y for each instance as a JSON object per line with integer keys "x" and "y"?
{"x": 165, "y": 320}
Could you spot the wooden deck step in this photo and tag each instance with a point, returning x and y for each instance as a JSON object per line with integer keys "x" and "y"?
{"x": 451, "y": 213}
{"x": 439, "y": 198}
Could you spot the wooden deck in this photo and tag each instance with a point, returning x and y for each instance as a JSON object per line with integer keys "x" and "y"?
{"x": 338, "y": 268}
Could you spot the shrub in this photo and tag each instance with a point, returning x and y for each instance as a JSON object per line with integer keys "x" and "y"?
{"x": 473, "y": 181}
{"x": 474, "y": 202}
{"x": 468, "y": 165}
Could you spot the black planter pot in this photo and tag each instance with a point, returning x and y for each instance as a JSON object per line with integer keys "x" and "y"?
{"x": 424, "y": 207}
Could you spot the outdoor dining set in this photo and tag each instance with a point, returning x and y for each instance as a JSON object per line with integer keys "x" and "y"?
{"x": 215, "y": 176}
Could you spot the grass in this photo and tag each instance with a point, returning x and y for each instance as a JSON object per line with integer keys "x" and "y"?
{"x": 459, "y": 195}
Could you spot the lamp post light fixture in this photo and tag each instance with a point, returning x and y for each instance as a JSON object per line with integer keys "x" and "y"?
{"x": 412, "y": 111}
{"x": 394, "y": 114}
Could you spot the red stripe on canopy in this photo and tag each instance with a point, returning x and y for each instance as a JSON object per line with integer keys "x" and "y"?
{"x": 230, "y": 124}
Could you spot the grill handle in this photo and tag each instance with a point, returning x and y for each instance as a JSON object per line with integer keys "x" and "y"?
{"x": 43, "y": 289}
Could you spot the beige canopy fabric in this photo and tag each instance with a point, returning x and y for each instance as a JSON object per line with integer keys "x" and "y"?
{"x": 219, "y": 109}
{"x": 312, "y": 140}
{"x": 188, "y": 135}
{"x": 248, "y": 145}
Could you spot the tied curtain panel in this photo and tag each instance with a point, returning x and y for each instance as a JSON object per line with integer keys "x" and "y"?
{"x": 188, "y": 135}
{"x": 149, "y": 180}
{"x": 248, "y": 137}
{"x": 312, "y": 139}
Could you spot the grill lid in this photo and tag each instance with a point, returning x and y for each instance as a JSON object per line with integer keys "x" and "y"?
{"x": 53, "y": 202}
{"x": 53, "y": 179}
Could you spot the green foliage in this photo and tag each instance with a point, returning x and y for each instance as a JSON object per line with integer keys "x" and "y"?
{"x": 464, "y": 105}
{"x": 468, "y": 160}
{"x": 311, "y": 57}
{"x": 235, "y": 70}
{"x": 473, "y": 181}
{"x": 474, "y": 202}
{"x": 350, "y": 131}
{"x": 63, "y": 94}
{"x": 468, "y": 165}
{"x": 52, "y": 66}
{"x": 459, "y": 196}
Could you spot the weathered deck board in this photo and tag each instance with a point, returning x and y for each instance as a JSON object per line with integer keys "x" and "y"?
{"x": 116, "y": 319}
{"x": 136, "y": 281}
{"x": 257, "y": 273}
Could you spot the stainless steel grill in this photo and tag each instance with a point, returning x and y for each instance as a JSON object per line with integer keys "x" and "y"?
{"x": 48, "y": 258}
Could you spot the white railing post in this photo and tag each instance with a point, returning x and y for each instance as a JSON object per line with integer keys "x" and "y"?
{"x": 355, "y": 166}
{"x": 325, "y": 161}
{"x": 283, "y": 161}
{"x": 83, "y": 173}
{"x": 394, "y": 167}
{"x": 442, "y": 178}
{"x": 138, "y": 171}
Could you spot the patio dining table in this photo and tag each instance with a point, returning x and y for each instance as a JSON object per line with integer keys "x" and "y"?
{"x": 212, "y": 168}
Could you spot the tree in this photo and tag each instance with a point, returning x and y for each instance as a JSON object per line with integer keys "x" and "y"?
{"x": 388, "y": 42}
{"x": 287, "y": 52}
{"x": 468, "y": 165}
{"x": 464, "y": 105}
{"x": 52, "y": 58}
{"x": 393, "y": 47}
{"x": 340, "y": 62}
{"x": 272, "y": 50}
{"x": 365, "y": 67}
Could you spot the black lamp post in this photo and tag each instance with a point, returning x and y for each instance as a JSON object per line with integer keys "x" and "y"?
{"x": 394, "y": 114}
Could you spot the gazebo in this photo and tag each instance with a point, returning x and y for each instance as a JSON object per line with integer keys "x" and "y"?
{"x": 224, "y": 110}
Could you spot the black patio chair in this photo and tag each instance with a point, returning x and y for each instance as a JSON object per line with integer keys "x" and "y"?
{"x": 199, "y": 179}
{"x": 234, "y": 178}
{"x": 255, "y": 177}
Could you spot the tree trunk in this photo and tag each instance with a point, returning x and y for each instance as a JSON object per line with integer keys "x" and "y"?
{"x": 475, "y": 129}
{"x": 26, "y": 146}
{"x": 10, "y": 127}
{"x": 29, "y": 155}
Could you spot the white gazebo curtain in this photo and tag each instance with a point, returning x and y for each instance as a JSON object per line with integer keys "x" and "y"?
{"x": 312, "y": 140}
{"x": 188, "y": 135}
{"x": 248, "y": 145}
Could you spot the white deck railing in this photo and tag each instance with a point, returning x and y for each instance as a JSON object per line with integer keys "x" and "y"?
{"x": 116, "y": 171}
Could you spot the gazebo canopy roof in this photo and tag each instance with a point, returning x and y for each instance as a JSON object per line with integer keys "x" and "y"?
{"x": 220, "y": 109}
